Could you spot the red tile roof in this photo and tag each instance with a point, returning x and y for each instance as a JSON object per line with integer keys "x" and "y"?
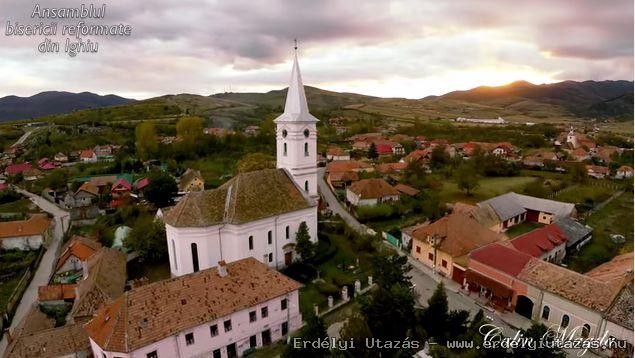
{"x": 383, "y": 148}
{"x": 502, "y": 258}
{"x": 14, "y": 169}
{"x": 142, "y": 183}
{"x": 35, "y": 225}
{"x": 121, "y": 184}
{"x": 540, "y": 241}
{"x": 87, "y": 153}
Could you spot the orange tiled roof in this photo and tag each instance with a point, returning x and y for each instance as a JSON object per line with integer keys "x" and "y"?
{"x": 80, "y": 247}
{"x": 457, "y": 234}
{"x": 372, "y": 188}
{"x": 149, "y": 313}
{"x": 56, "y": 292}
{"x": 35, "y": 225}
{"x": 614, "y": 269}
{"x": 62, "y": 341}
{"x": 89, "y": 188}
{"x": 346, "y": 166}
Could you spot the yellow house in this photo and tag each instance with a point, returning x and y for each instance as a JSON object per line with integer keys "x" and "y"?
{"x": 445, "y": 244}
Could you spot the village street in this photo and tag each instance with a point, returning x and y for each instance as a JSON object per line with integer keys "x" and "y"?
{"x": 61, "y": 223}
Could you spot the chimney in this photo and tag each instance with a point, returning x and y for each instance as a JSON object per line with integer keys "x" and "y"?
{"x": 222, "y": 268}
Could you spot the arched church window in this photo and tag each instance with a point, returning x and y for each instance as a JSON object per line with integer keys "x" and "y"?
{"x": 176, "y": 264}
{"x": 285, "y": 149}
{"x": 194, "y": 257}
{"x": 565, "y": 321}
{"x": 306, "y": 185}
{"x": 269, "y": 237}
{"x": 251, "y": 243}
{"x": 586, "y": 330}
{"x": 306, "y": 149}
{"x": 287, "y": 232}
{"x": 306, "y": 133}
{"x": 545, "y": 312}
{"x": 284, "y": 133}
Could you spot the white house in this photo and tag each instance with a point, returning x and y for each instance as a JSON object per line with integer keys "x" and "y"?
{"x": 219, "y": 312}
{"x": 255, "y": 214}
{"x": 624, "y": 172}
{"x": 25, "y": 235}
{"x": 370, "y": 192}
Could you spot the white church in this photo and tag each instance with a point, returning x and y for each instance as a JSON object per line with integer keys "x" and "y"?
{"x": 255, "y": 214}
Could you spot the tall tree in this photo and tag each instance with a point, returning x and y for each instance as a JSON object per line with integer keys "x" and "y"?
{"x": 255, "y": 161}
{"x": 439, "y": 157}
{"x": 146, "y": 140}
{"x": 356, "y": 328}
{"x": 435, "y": 316}
{"x": 189, "y": 129}
{"x": 389, "y": 270}
{"x": 372, "y": 151}
{"x": 161, "y": 189}
{"x": 303, "y": 245}
{"x": 313, "y": 331}
{"x": 466, "y": 178}
{"x": 147, "y": 238}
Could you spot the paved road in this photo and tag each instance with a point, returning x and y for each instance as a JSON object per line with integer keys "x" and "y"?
{"x": 336, "y": 207}
{"x": 24, "y": 137}
{"x": 44, "y": 271}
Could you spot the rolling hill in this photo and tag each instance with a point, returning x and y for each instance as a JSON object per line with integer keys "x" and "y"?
{"x": 52, "y": 102}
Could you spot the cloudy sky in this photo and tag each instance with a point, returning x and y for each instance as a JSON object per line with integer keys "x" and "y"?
{"x": 386, "y": 48}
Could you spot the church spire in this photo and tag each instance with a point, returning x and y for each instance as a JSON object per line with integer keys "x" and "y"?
{"x": 295, "y": 106}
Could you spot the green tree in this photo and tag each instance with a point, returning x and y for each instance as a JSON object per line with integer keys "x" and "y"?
{"x": 303, "y": 245}
{"x": 314, "y": 330}
{"x": 372, "y": 152}
{"x": 189, "y": 129}
{"x": 389, "y": 270}
{"x": 578, "y": 173}
{"x": 255, "y": 161}
{"x": 161, "y": 189}
{"x": 538, "y": 332}
{"x": 439, "y": 157}
{"x": 466, "y": 179}
{"x": 147, "y": 238}
{"x": 356, "y": 328}
{"x": 435, "y": 316}
{"x": 146, "y": 140}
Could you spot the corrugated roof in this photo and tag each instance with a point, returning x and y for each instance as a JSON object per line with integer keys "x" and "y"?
{"x": 512, "y": 204}
{"x": 149, "y": 313}
{"x": 540, "y": 241}
{"x": 574, "y": 230}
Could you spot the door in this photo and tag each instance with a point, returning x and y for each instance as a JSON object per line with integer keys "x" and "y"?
{"x": 266, "y": 338}
{"x": 231, "y": 351}
{"x": 288, "y": 258}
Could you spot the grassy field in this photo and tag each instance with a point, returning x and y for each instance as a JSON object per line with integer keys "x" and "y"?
{"x": 488, "y": 188}
{"x": 19, "y": 206}
{"x": 585, "y": 193}
{"x": 523, "y": 228}
{"x": 615, "y": 218}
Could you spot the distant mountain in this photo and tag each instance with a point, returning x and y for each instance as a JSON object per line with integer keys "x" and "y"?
{"x": 586, "y": 99}
{"x": 53, "y": 102}
{"x": 317, "y": 98}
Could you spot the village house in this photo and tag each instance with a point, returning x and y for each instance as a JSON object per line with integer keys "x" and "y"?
{"x": 539, "y": 159}
{"x": 444, "y": 245}
{"x": 577, "y": 234}
{"x": 406, "y": 189}
{"x": 60, "y": 157}
{"x": 15, "y": 169}
{"x": 539, "y": 290}
{"x": 371, "y": 192}
{"x": 46, "y": 164}
{"x": 389, "y": 168}
{"x": 29, "y": 234}
{"x": 512, "y": 209}
{"x": 75, "y": 252}
{"x": 140, "y": 184}
{"x": 547, "y": 243}
{"x": 69, "y": 340}
{"x": 255, "y": 214}
{"x": 88, "y": 156}
{"x": 103, "y": 152}
{"x": 218, "y": 132}
{"x": 624, "y": 172}
{"x": 86, "y": 195}
{"x": 103, "y": 280}
{"x": 119, "y": 192}
{"x": 579, "y": 154}
{"x": 605, "y": 153}
{"x": 251, "y": 131}
{"x": 337, "y": 153}
{"x": 342, "y": 173}
{"x": 31, "y": 174}
{"x": 483, "y": 215}
{"x": 56, "y": 295}
{"x": 597, "y": 172}
{"x": 247, "y": 306}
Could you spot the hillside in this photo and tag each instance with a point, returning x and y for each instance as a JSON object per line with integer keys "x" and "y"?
{"x": 578, "y": 98}
{"x": 52, "y": 102}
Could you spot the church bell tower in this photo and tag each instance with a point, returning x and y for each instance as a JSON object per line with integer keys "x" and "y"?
{"x": 296, "y": 135}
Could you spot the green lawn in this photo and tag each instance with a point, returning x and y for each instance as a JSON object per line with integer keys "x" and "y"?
{"x": 488, "y": 188}
{"x": 522, "y": 228}
{"x": 19, "y": 206}
{"x": 615, "y": 218}
{"x": 581, "y": 193}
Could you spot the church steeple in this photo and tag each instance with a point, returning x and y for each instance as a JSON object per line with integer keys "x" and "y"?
{"x": 296, "y": 135}
{"x": 295, "y": 106}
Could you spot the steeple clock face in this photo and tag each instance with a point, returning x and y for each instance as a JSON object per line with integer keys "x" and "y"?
{"x": 284, "y": 133}
{"x": 306, "y": 133}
